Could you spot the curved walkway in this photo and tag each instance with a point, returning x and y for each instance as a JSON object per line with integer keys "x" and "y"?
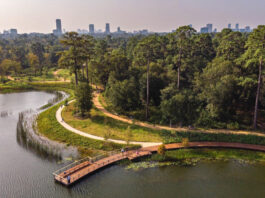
{"x": 68, "y": 127}
{"x": 142, "y": 124}
{"x": 159, "y": 127}
{"x": 79, "y": 171}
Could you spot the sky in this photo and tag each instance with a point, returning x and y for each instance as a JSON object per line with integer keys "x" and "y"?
{"x": 154, "y": 15}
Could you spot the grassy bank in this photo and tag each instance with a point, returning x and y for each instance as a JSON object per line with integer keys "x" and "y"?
{"x": 49, "y": 127}
{"x": 213, "y": 154}
{"x": 172, "y": 137}
{"x": 100, "y": 125}
{"x": 190, "y": 157}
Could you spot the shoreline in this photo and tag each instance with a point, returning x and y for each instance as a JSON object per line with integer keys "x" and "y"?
{"x": 57, "y": 88}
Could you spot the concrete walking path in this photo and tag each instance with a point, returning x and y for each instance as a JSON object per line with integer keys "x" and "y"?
{"x": 138, "y": 123}
{"x": 84, "y": 134}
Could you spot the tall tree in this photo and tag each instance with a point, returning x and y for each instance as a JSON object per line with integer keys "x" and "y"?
{"x": 89, "y": 51}
{"x": 183, "y": 43}
{"x": 38, "y": 49}
{"x": 83, "y": 94}
{"x": 145, "y": 52}
{"x": 74, "y": 56}
{"x": 33, "y": 62}
{"x": 254, "y": 59}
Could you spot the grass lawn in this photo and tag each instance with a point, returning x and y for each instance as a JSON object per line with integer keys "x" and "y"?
{"x": 64, "y": 74}
{"x": 49, "y": 127}
{"x": 100, "y": 125}
{"x": 215, "y": 154}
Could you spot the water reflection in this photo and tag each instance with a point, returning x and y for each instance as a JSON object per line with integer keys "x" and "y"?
{"x": 28, "y": 138}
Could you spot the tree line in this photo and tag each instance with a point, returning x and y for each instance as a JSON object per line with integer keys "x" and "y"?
{"x": 181, "y": 78}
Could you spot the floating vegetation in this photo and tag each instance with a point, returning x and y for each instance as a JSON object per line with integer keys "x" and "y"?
{"x": 143, "y": 165}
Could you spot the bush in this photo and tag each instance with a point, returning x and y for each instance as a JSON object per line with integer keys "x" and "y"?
{"x": 233, "y": 126}
{"x": 161, "y": 150}
{"x": 185, "y": 142}
{"x": 83, "y": 94}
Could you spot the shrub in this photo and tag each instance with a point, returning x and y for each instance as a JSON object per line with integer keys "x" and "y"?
{"x": 185, "y": 142}
{"x": 161, "y": 149}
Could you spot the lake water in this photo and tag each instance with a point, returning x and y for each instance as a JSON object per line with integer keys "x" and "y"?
{"x": 26, "y": 172}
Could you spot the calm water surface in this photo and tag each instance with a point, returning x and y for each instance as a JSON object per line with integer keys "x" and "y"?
{"x": 27, "y": 173}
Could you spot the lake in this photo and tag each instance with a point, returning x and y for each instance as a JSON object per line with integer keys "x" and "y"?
{"x": 26, "y": 171}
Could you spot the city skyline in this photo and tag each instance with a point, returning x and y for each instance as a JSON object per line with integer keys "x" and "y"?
{"x": 209, "y": 28}
{"x": 154, "y": 15}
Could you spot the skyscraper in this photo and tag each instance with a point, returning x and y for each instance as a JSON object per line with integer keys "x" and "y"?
{"x": 58, "y": 31}
{"x": 107, "y": 31}
{"x": 91, "y": 29}
{"x": 229, "y": 26}
{"x": 59, "y": 26}
{"x": 237, "y": 27}
{"x": 210, "y": 28}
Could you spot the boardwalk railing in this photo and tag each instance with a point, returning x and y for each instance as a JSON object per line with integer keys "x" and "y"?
{"x": 72, "y": 165}
{"x": 60, "y": 173}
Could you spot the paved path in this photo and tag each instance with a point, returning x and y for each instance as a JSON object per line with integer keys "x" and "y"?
{"x": 68, "y": 127}
{"x": 87, "y": 167}
{"x": 142, "y": 124}
{"x": 159, "y": 127}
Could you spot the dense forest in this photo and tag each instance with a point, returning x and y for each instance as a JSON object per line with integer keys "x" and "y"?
{"x": 180, "y": 79}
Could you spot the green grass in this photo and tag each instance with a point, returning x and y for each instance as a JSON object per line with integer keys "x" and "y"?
{"x": 49, "y": 127}
{"x": 171, "y": 137}
{"x": 95, "y": 125}
{"x": 64, "y": 74}
{"x": 214, "y": 154}
{"x": 98, "y": 124}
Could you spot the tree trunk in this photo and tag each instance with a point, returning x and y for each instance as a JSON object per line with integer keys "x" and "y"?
{"x": 147, "y": 92}
{"x": 257, "y": 97}
{"x": 76, "y": 77}
{"x": 76, "y": 72}
{"x": 87, "y": 72}
{"x": 179, "y": 65}
{"x": 83, "y": 71}
{"x": 178, "y": 76}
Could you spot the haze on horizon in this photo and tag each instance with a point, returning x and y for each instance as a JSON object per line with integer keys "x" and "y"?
{"x": 154, "y": 15}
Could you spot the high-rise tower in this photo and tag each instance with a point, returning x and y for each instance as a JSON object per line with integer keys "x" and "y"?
{"x": 107, "y": 31}
{"x": 210, "y": 28}
{"x": 58, "y": 31}
{"x": 91, "y": 29}
{"x": 59, "y": 26}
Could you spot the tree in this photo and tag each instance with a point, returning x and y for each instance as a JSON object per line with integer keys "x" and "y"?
{"x": 33, "y": 62}
{"x": 123, "y": 95}
{"x": 38, "y": 50}
{"x": 217, "y": 85}
{"x": 231, "y": 46}
{"x": 161, "y": 150}
{"x": 73, "y": 57}
{"x": 83, "y": 94}
{"x": 89, "y": 51}
{"x": 8, "y": 66}
{"x": 183, "y": 43}
{"x": 254, "y": 59}
{"x": 145, "y": 52}
{"x": 178, "y": 106}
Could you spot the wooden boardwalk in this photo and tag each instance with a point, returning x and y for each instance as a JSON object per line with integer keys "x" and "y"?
{"x": 74, "y": 172}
